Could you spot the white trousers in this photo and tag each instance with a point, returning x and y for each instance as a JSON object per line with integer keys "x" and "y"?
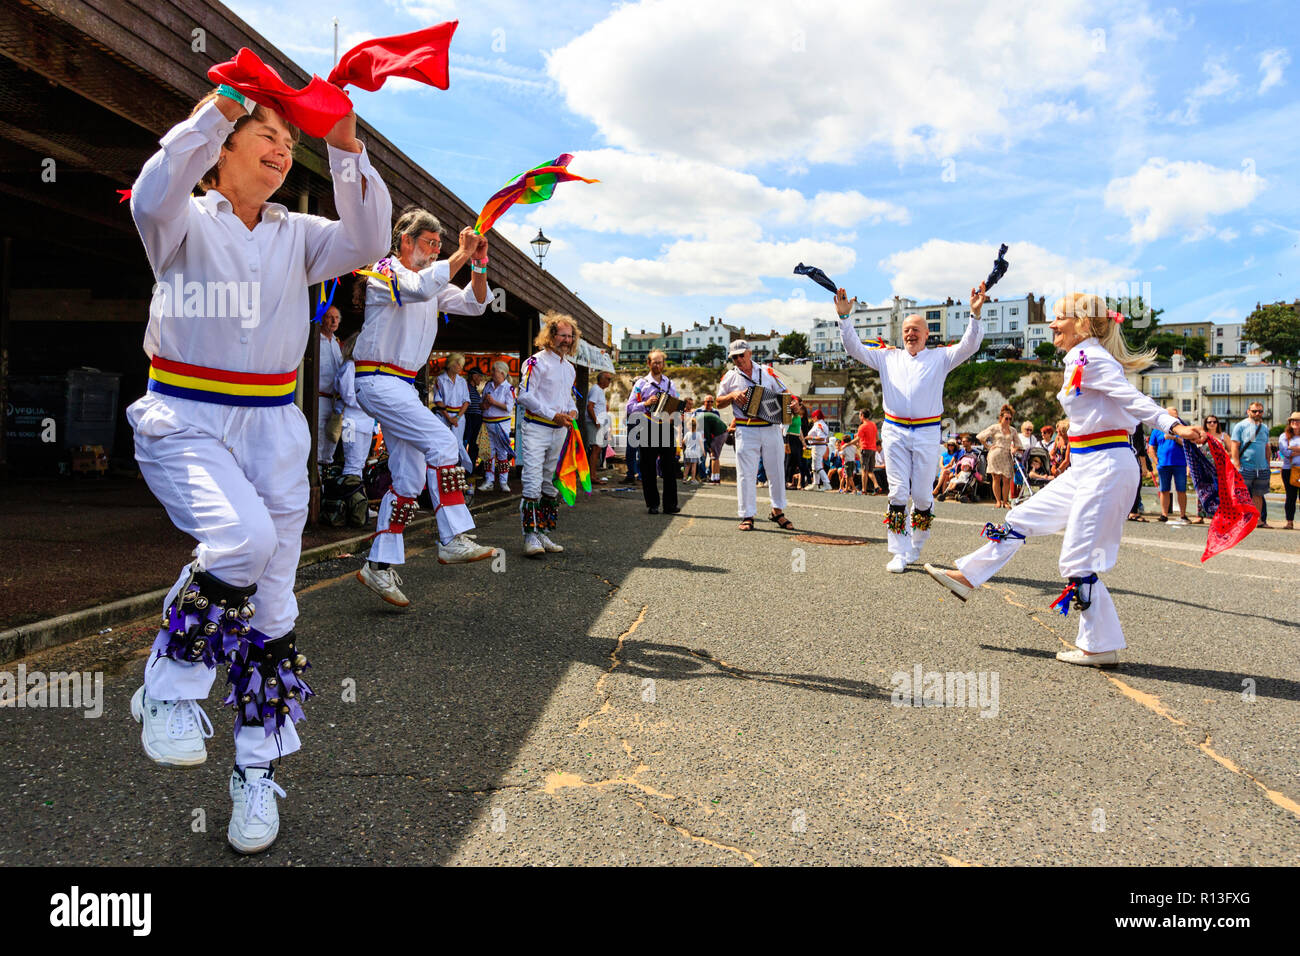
{"x": 235, "y": 480}
{"x": 819, "y": 467}
{"x": 324, "y": 447}
{"x": 541, "y": 453}
{"x": 358, "y": 437}
{"x": 1090, "y": 502}
{"x": 752, "y": 443}
{"x": 417, "y": 441}
{"x": 911, "y": 461}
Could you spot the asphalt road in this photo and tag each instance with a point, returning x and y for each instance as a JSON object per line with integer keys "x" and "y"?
{"x": 670, "y": 690}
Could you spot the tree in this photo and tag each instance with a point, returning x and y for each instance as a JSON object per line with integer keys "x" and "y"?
{"x": 1139, "y": 324}
{"x": 794, "y": 344}
{"x": 1047, "y": 353}
{"x": 1275, "y": 328}
{"x": 1165, "y": 343}
{"x": 713, "y": 352}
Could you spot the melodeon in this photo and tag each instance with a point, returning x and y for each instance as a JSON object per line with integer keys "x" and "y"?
{"x": 761, "y": 403}
{"x": 666, "y": 405}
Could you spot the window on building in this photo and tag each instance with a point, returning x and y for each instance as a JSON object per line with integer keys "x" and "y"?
{"x": 1189, "y": 383}
{"x": 1154, "y": 385}
{"x": 1013, "y": 326}
{"x": 934, "y": 326}
{"x": 1015, "y": 311}
{"x": 1218, "y": 348}
{"x": 1219, "y": 385}
{"x": 932, "y": 314}
{"x": 1220, "y": 408}
{"x": 1187, "y": 406}
{"x": 992, "y": 313}
{"x": 1255, "y": 383}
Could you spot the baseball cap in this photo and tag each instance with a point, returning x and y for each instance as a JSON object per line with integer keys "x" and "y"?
{"x": 738, "y": 347}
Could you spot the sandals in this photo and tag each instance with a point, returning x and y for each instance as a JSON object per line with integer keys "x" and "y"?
{"x": 782, "y": 519}
{"x": 1136, "y": 517}
{"x": 746, "y": 524}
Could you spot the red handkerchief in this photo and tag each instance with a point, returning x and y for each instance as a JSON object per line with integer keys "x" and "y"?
{"x": 419, "y": 56}
{"x": 1237, "y": 514}
{"x": 314, "y": 109}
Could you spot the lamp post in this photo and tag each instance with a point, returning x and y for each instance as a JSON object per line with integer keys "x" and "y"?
{"x": 540, "y": 246}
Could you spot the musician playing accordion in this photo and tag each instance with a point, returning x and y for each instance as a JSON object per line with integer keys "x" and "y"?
{"x": 651, "y": 413}
{"x": 756, "y": 392}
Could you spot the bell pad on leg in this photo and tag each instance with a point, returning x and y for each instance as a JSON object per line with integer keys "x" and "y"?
{"x": 921, "y": 520}
{"x": 267, "y": 685}
{"x": 453, "y": 482}
{"x": 896, "y": 519}
{"x": 207, "y": 621}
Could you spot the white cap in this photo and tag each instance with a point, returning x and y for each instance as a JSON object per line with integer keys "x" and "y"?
{"x": 738, "y": 347}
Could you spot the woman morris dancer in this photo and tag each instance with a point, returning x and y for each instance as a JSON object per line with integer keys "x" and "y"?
{"x": 217, "y": 435}
{"x": 1090, "y": 501}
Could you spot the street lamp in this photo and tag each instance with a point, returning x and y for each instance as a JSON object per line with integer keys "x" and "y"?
{"x": 540, "y": 246}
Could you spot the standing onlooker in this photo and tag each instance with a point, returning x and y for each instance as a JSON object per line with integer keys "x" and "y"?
{"x": 596, "y": 427}
{"x": 1170, "y": 463}
{"x": 867, "y": 448}
{"x": 1249, "y": 448}
{"x": 1139, "y": 443}
{"x": 692, "y": 450}
{"x": 1288, "y": 449}
{"x": 1059, "y": 453}
{"x": 848, "y": 473}
{"x": 474, "y": 414}
{"x": 1213, "y": 428}
{"x": 794, "y": 441}
{"x": 1001, "y": 444}
{"x": 714, "y": 431}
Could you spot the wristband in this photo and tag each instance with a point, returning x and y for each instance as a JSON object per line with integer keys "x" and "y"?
{"x": 479, "y": 270}
{"x": 843, "y": 317}
{"x": 479, "y": 262}
{"x": 230, "y": 92}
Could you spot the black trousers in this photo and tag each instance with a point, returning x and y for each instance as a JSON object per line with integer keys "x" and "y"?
{"x": 666, "y": 458}
{"x": 794, "y": 457}
{"x": 1291, "y": 491}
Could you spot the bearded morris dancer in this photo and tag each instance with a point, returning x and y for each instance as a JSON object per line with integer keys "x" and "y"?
{"x": 498, "y": 408}
{"x": 218, "y": 437}
{"x": 404, "y": 295}
{"x": 911, "y": 386}
{"x": 546, "y": 397}
{"x": 1090, "y": 501}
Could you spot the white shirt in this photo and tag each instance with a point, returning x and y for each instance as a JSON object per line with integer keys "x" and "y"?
{"x": 546, "y": 385}
{"x": 331, "y": 363}
{"x": 502, "y": 393}
{"x": 403, "y": 335}
{"x": 596, "y": 395}
{"x": 1107, "y": 400}
{"x": 451, "y": 394}
{"x": 762, "y": 375}
{"x": 819, "y": 433}
{"x": 347, "y": 386}
{"x": 911, "y": 386}
{"x": 243, "y": 298}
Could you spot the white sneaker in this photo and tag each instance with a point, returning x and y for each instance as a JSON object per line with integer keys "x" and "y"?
{"x": 549, "y": 545}
{"x": 503, "y": 484}
{"x": 462, "y": 550}
{"x": 1176, "y": 522}
{"x": 1104, "y": 659}
{"x": 172, "y": 731}
{"x": 487, "y": 484}
{"x": 384, "y": 582}
{"x": 897, "y": 564}
{"x": 956, "y": 587}
{"x": 254, "y": 819}
{"x": 533, "y": 545}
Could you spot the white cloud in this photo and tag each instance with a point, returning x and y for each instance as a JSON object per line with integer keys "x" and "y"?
{"x": 796, "y": 312}
{"x": 1164, "y": 198}
{"x": 745, "y": 84}
{"x": 715, "y": 266}
{"x": 521, "y": 233}
{"x": 1218, "y": 82}
{"x": 1271, "y": 65}
{"x": 938, "y": 268}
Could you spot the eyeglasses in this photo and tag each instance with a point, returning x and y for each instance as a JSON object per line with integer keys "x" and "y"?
{"x": 433, "y": 243}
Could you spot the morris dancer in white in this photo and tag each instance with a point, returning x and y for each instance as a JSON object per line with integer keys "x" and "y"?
{"x": 498, "y": 401}
{"x": 401, "y": 324}
{"x": 758, "y": 437}
{"x": 1090, "y": 501}
{"x": 451, "y": 396}
{"x": 911, "y": 385}
{"x": 546, "y": 398}
{"x": 218, "y": 437}
{"x": 818, "y": 438}
{"x": 327, "y": 372}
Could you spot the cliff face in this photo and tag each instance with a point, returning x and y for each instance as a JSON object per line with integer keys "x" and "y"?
{"x": 972, "y": 395}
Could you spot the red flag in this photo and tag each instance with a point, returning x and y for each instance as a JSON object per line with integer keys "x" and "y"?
{"x": 1237, "y": 514}
{"x": 419, "y": 56}
{"x": 314, "y": 109}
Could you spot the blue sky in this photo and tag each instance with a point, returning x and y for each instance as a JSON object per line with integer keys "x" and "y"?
{"x": 1112, "y": 145}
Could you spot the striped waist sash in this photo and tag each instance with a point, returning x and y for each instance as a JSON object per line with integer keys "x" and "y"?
{"x": 219, "y": 386}
{"x": 539, "y": 420}
{"x": 752, "y": 422}
{"x": 1097, "y": 441}
{"x": 902, "y": 422}
{"x": 383, "y": 368}
{"x": 494, "y": 420}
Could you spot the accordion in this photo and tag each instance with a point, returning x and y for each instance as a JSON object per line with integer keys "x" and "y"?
{"x": 666, "y": 405}
{"x": 762, "y": 403}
